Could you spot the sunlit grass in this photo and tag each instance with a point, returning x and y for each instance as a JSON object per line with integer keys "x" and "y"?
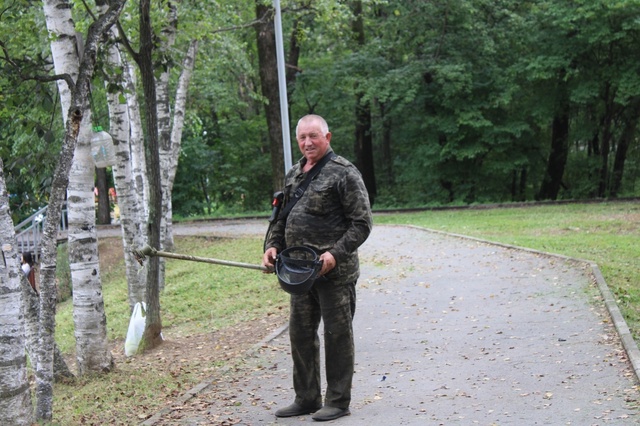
{"x": 223, "y": 294}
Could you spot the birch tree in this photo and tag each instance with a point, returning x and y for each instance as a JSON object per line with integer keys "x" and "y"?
{"x": 31, "y": 310}
{"x": 92, "y": 349}
{"x": 170, "y": 127}
{"x": 15, "y": 395}
{"x": 130, "y": 201}
{"x": 136, "y": 140}
{"x": 170, "y": 153}
{"x": 153, "y": 323}
{"x": 120, "y": 127}
{"x": 168, "y": 37}
{"x": 79, "y": 101}
{"x": 161, "y": 150}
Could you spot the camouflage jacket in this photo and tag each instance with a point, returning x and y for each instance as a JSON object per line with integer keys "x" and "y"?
{"x": 333, "y": 215}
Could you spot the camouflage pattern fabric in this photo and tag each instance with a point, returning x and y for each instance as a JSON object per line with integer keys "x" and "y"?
{"x": 336, "y": 305}
{"x": 333, "y": 215}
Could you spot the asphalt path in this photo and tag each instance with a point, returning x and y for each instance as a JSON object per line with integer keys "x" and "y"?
{"x": 455, "y": 330}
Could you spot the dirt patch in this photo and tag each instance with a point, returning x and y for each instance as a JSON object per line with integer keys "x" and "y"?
{"x": 110, "y": 250}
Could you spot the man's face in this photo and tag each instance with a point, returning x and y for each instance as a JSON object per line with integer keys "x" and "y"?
{"x": 313, "y": 143}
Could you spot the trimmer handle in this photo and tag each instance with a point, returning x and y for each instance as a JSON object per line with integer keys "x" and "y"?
{"x": 276, "y": 205}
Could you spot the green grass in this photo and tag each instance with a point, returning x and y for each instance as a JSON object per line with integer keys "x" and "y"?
{"x": 606, "y": 233}
{"x": 199, "y": 298}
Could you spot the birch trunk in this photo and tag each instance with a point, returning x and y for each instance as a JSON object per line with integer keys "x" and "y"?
{"x": 92, "y": 350}
{"x": 173, "y": 154}
{"x": 55, "y": 13}
{"x": 31, "y": 309}
{"x": 15, "y": 395}
{"x": 152, "y": 335}
{"x": 131, "y": 218}
{"x": 136, "y": 142}
{"x": 164, "y": 130}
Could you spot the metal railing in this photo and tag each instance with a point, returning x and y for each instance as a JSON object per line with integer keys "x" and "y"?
{"x": 29, "y": 231}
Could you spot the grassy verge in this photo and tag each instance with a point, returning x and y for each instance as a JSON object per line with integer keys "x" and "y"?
{"x": 605, "y": 233}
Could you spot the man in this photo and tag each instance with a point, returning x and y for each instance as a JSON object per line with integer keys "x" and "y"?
{"x": 333, "y": 217}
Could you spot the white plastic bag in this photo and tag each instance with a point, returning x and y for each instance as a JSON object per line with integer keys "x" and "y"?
{"x": 136, "y": 328}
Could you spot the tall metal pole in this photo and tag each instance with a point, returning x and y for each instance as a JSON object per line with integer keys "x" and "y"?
{"x": 282, "y": 85}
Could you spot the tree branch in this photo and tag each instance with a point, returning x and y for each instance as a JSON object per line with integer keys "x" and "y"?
{"x": 49, "y": 78}
{"x": 88, "y": 9}
{"x": 42, "y": 78}
{"x": 260, "y": 20}
{"x": 125, "y": 42}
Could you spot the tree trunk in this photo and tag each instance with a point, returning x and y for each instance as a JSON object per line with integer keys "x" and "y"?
{"x": 90, "y": 322}
{"x": 92, "y": 349}
{"x": 267, "y": 60}
{"x": 559, "y": 152}
{"x": 79, "y": 97}
{"x": 31, "y": 310}
{"x": 104, "y": 208}
{"x": 15, "y": 394}
{"x": 130, "y": 214}
{"x": 603, "y": 172}
{"x": 153, "y": 324}
{"x": 168, "y": 39}
{"x": 387, "y": 154}
{"x": 136, "y": 140}
{"x": 626, "y": 139}
{"x": 179, "y": 109}
{"x": 363, "y": 145}
{"x": 292, "y": 70}
{"x": 557, "y": 158}
{"x": 523, "y": 185}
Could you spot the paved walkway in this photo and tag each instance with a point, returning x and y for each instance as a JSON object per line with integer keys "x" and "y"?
{"x": 453, "y": 331}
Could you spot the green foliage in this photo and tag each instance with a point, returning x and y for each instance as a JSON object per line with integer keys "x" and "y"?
{"x": 30, "y": 125}
{"x": 462, "y": 95}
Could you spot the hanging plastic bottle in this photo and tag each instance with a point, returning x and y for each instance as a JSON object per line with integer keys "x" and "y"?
{"x": 102, "y": 149}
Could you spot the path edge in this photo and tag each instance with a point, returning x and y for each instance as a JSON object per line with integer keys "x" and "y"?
{"x": 629, "y": 344}
{"x": 202, "y": 386}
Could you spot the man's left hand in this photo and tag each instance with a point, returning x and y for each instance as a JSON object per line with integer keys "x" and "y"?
{"x": 328, "y": 263}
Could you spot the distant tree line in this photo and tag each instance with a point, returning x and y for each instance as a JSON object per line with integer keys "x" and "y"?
{"x": 437, "y": 103}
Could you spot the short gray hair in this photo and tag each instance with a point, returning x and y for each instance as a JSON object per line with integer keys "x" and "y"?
{"x": 324, "y": 127}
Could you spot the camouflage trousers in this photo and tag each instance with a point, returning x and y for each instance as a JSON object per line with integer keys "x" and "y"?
{"x": 335, "y": 304}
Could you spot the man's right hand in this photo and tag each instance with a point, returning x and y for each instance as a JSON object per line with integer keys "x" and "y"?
{"x": 269, "y": 259}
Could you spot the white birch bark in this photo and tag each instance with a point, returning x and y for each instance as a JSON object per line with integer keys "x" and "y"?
{"x": 92, "y": 350}
{"x": 90, "y": 321}
{"x": 131, "y": 218}
{"x": 31, "y": 309}
{"x": 176, "y": 139}
{"x": 136, "y": 142}
{"x": 15, "y": 395}
{"x": 164, "y": 131}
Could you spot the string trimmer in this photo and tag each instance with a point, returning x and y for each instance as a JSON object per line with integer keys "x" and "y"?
{"x": 141, "y": 254}
{"x": 296, "y": 267}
